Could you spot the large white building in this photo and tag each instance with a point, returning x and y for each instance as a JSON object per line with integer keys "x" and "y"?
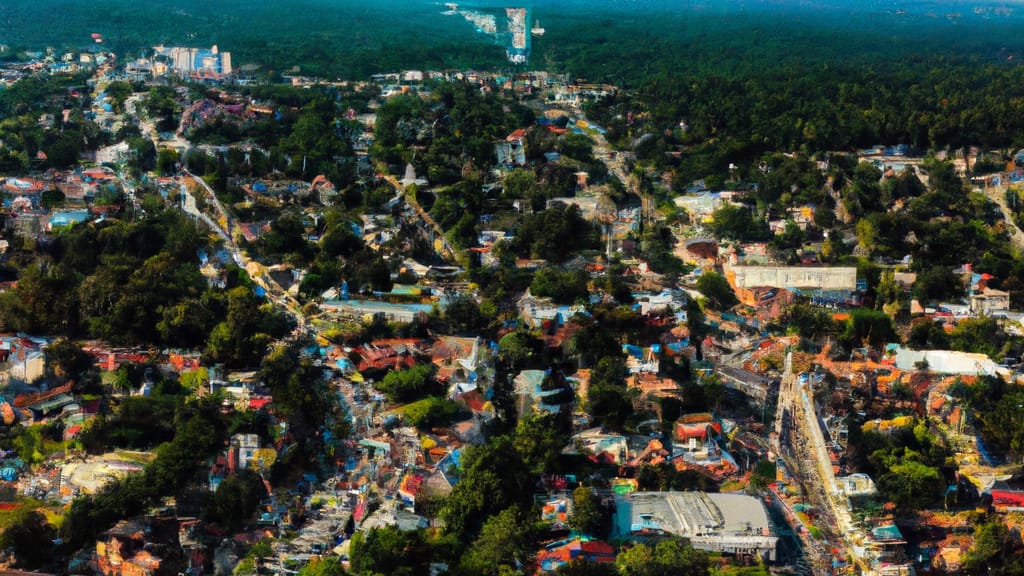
{"x": 196, "y": 60}
{"x": 843, "y": 278}
{"x": 726, "y": 523}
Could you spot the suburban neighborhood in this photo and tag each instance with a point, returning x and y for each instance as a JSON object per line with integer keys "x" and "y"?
{"x": 377, "y": 320}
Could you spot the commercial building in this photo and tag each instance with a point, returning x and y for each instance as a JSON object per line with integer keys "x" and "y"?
{"x": 946, "y": 362}
{"x": 204, "y": 61}
{"x": 725, "y": 523}
{"x": 828, "y": 278}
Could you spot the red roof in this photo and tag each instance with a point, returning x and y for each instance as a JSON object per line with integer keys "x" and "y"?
{"x": 97, "y": 174}
{"x": 516, "y": 134}
{"x": 550, "y": 559}
{"x": 474, "y": 400}
{"x": 258, "y": 403}
{"x": 1008, "y": 498}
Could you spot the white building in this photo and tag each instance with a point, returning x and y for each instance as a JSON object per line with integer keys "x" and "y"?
{"x": 246, "y": 446}
{"x": 726, "y": 523}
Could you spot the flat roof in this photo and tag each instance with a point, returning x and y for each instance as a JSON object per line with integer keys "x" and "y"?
{"x": 690, "y": 514}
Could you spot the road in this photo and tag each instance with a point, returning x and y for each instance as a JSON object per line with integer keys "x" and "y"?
{"x": 611, "y": 159}
{"x": 802, "y": 445}
{"x": 997, "y": 194}
{"x": 447, "y": 252}
{"x": 274, "y": 290}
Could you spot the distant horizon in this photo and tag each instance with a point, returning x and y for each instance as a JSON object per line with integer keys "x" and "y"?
{"x": 350, "y": 38}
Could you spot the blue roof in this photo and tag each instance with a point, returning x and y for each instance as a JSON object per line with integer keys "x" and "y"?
{"x": 69, "y": 217}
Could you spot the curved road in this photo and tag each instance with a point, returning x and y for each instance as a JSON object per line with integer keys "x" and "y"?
{"x": 997, "y": 194}
{"x": 273, "y": 289}
{"x": 447, "y": 252}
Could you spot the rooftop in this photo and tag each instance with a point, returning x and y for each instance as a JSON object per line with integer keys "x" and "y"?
{"x": 690, "y": 514}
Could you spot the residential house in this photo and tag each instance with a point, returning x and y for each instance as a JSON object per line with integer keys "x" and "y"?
{"x": 600, "y": 446}
{"x": 589, "y": 206}
{"x": 243, "y": 451}
{"x": 751, "y": 384}
{"x": 857, "y": 485}
{"x": 558, "y": 554}
{"x": 534, "y": 311}
{"x": 696, "y": 432}
{"x": 529, "y": 387}
{"x": 990, "y": 300}
{"x": 699, "y": 206}
{"x": 511, "y": 152}
{"x": 409, "y": 487}
{"x": 1007, "y": 500}
{"x": 642, "y": 359}
{"x": 457, "y": 359}
{"x": 666, "y": 301}
{"x": 651, "y": 386}
{"x": 556, "y": 512}
{"x": 121, "y": 551}
{"x": 399, "y": 518}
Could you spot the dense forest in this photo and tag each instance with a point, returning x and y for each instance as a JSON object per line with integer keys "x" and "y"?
{"x": 351, "y": 39}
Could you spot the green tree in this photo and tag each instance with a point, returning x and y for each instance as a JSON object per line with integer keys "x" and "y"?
{"x": 51, "y": 198}
{"x": 236, "y": 500}
{"x": 868, "y": 327}
{"x": 937, "y": 283}
{"x": 505, "y": 545}
{"x": 409, "y": 384}
{"x": 561, "y": 287}
{"x": 66, "y": 360}
{"x": 493, "y": 478}
{"x": 888, "y": 291}
{"x": 763, "y": 474}
{"x": 539, "y": 439}
{"x": 982, "y": 335}
{"x": 810, "y": 321}
{"x": 464, "y": 316}
{"x": 609, "y": 400}
{"x": 64, "y": 150}
{"x": 387, "y": 551}
{"x": 517, "y": 348}
{"x": 588, "y": 515}
{"x": 911, "y": 485}
{"x": 927, "y": 334}
{"x": 716, "y": 289}
{"x": 431, "y": 412}
{"x": 520, "y": 183}
{"x": 995, "y": 551}
{"x": 166, "y": 161}
{"x": 326, "y": 566}
{"x": 666, "y": 558}
{"x": 738, "y": 223}
{"x": 118, "y": 92}
{"x": 30, "y": 536}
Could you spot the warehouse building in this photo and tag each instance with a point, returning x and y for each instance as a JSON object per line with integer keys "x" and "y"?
{"x": 725, "y": 523}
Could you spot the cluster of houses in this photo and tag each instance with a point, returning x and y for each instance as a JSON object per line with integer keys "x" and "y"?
{"x": 84, "y": 190}
{"x": 391, "y": 466}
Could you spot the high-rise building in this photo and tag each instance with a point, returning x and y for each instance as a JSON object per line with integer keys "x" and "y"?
{"x": 205, "y": 61}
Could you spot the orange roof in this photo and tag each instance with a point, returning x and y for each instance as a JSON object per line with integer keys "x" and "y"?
{"x": 516, "y": 134}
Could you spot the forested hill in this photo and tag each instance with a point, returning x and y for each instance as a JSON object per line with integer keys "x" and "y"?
{"x": 620, "y": 41}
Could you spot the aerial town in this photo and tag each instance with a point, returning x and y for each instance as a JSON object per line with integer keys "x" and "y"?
{"x": 488, "y": 322}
